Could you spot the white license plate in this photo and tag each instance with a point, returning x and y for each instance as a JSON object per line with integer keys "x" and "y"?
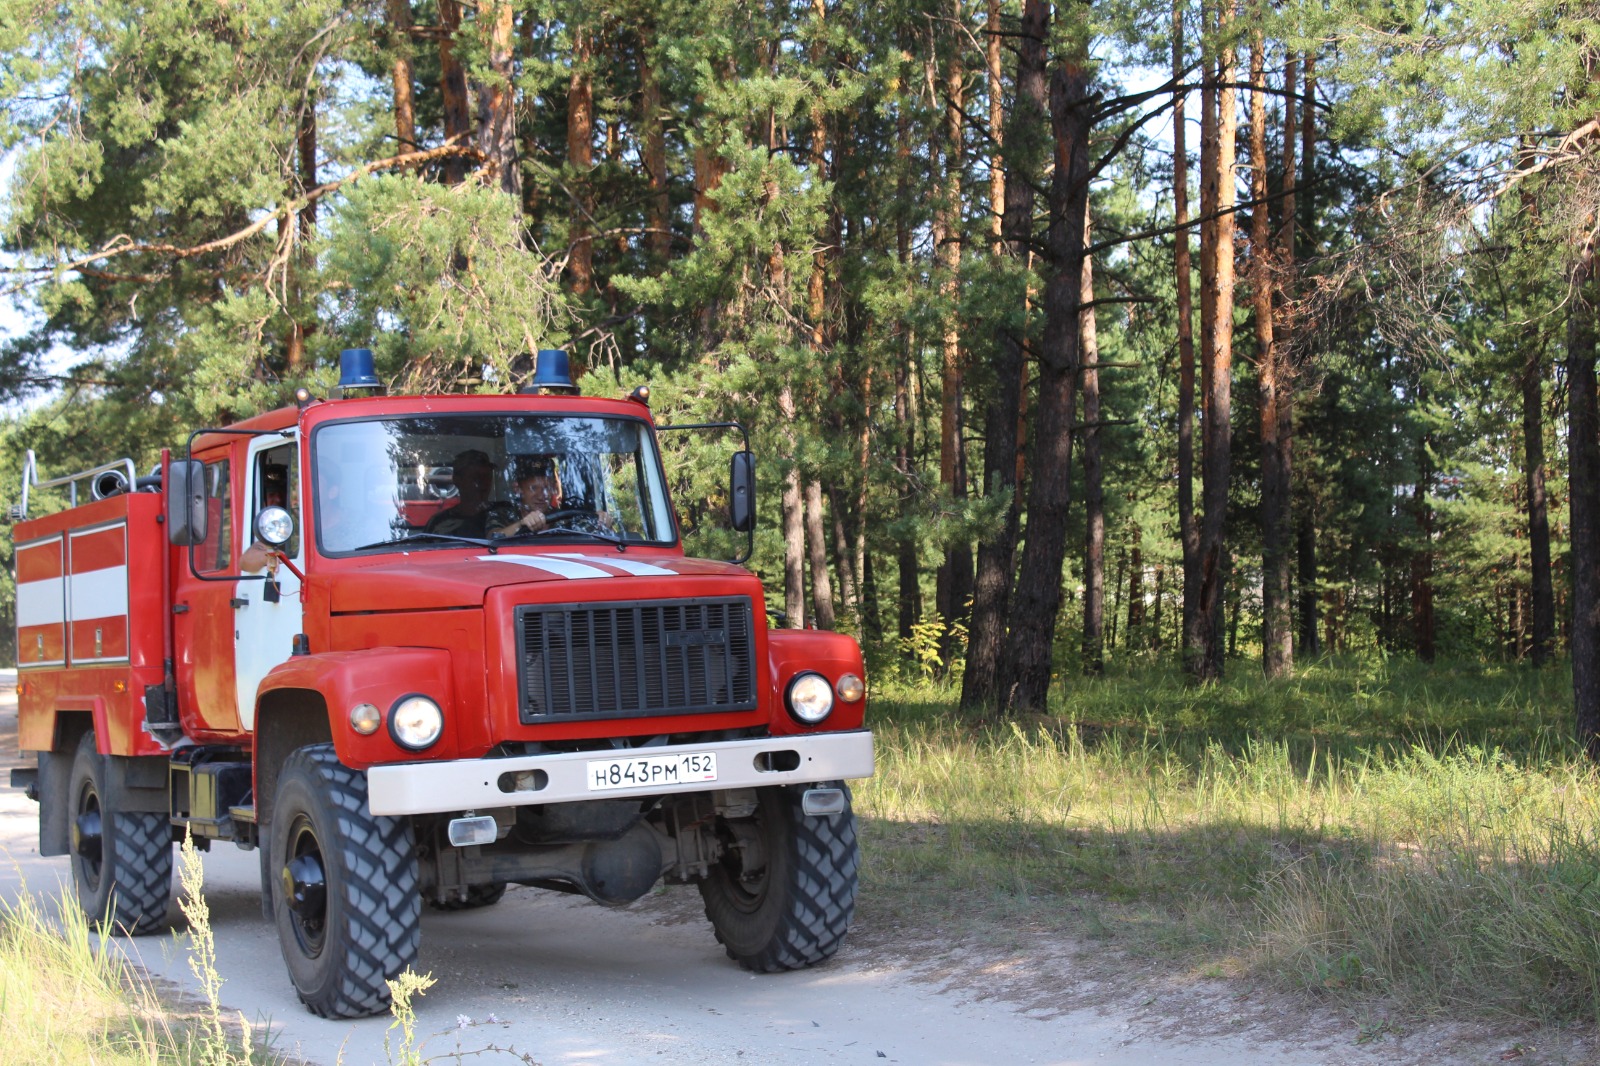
{"x": 642, "y": 771}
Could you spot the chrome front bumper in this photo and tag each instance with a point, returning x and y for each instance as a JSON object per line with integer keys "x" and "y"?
{"x": 483, "y": 784}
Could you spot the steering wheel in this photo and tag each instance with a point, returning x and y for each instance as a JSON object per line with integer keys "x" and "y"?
{"x": 573, "y": 517}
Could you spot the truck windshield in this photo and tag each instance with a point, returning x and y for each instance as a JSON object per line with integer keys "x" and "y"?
{"x": 542, "y": 478}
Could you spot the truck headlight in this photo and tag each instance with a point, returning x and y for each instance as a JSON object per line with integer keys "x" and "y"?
{"x": 415, "y": 722}
{"x": 809, "y": 698}
{"x": 850, "y": 688}
{"x": 275, "y": 526}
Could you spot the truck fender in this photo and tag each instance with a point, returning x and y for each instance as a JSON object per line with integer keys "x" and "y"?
{"x": 791, "y": 651}
{"x": 308, "y": 699}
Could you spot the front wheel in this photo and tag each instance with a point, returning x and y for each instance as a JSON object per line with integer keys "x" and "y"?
{"x": 121, "y": 860}
{"x": 344, "y": 894}
{"x": 784, "y": 893}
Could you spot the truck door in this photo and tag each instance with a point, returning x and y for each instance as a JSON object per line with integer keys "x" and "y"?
{"x": 263, "y": 628}
{"x": 203, "y": 627}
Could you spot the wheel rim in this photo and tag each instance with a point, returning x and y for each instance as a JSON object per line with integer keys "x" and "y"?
{"x": 305, "y": 887}
{"x": 88, "y": 835}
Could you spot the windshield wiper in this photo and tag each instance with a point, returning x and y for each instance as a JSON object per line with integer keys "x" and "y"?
{"x": 609, "y": 538}
{"x": 478, "y": 542}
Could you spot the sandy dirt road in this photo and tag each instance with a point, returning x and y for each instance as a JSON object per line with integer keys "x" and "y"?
{"x": 564, "y": 981}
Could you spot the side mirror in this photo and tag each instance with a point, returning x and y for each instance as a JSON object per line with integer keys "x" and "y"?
{"x": 186, "y": 502}
{"x": 742, "y": 491}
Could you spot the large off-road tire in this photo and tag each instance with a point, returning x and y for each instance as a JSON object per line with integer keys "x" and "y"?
{"x": 121, "y": 860}
{"x": 784, "y": 893}
{"x": 486, "y": 895}
{"x": 344, "y": 894}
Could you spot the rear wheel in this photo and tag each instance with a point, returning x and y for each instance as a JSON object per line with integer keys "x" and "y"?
{"x": 344, "y": 893}
{"x": 121, "y": 860}
{"x": 785, "y": 891}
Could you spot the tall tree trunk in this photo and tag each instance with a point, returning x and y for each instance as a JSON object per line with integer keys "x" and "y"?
{"x": 907, "y": 414}
{"x": 453, "y": 89}
{"x": 1298, "y": 217}
{"x": 980, "y": 685}
{"x": 817, "y": 545}
{"x": 954, "y": 580}
{"x": 1583, "y": 447}
{"x": 1188, "y": 529}
{"x": 1094, "y": 498}
{"x": 997, "y": 114}
{"x": 1137, "y": 641}
{"x": 1422, "y": 627}
{"x": 497, "y": 96}
{"x": 658, "y": 210}
{"x": 1217, "y": 369}
{"x": 580, "y": 160}
{"x": 1543, "y": 606}
{"x": 794, "y": 520}
{"x": 1038, "y": 593}
{"x": 303, "y": 226}
{"x": 400, "y": 72}
{"x": 1277, "y": 618}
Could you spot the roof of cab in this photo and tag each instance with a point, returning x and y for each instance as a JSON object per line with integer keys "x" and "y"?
{"x": 379, "y": 406}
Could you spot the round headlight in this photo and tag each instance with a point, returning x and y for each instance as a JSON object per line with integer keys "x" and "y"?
{"x": 415, "y": 722}
{"x": 850, "y": 688}
{"x": 809, "y": 698}
{"x": 365, "y": 719}
{"x": 274, "y": 526}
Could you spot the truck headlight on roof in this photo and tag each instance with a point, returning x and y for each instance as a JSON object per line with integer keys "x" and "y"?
{"x": 809, "y": 698}
{"x": 415, "y": 722}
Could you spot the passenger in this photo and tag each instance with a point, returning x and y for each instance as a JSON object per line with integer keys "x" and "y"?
{"x": 473, "y": 475}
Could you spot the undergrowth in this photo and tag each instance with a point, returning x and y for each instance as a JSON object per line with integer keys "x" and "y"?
{"x": 1428, "y": 834}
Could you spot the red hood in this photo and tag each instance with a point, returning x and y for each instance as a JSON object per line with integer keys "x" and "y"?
{"x": 418, "y": 581}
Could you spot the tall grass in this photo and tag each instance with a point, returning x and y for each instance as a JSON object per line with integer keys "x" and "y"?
{"x": 63, "y": 999}
{"x": 1429, "y": 834}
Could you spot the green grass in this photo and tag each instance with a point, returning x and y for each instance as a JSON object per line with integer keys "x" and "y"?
{"x": 1427, "y": 834}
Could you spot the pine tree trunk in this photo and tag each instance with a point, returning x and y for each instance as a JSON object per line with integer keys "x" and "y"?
{"x": 1277, "y": 620}
{"x": 1094, "y": 499}
{"x": 980, "y": 686}
{"x": 405, "y": 111}
{"x": 497, "y": 115}
{"x": 1543, "y": 606}
{"x": 1583, "y": 448}
{"x": 580, "y": 161}
{"x": 452, "y": 89}
{"x": 954, "y": 580}
{"x": 1038, "y": 593}
{"x": 1136, "y": 636}
{"x": 1297, "y": 217}
{"x": 817, "y": 551}
{"x": 997, "y": 116}
{"x": 1422, "y": 619}
{"x": 1188, "y": 529}
{"x": 1217, "y": 369}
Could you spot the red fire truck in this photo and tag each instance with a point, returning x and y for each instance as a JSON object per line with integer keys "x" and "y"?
{"x": 414, "y": 649}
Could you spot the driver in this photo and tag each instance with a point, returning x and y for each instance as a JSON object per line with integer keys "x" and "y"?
{"x": 539, "y": 489}
{"x": 473, "y": 476}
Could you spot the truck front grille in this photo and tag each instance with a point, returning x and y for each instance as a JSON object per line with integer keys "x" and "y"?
{"x": 621, "y": 660}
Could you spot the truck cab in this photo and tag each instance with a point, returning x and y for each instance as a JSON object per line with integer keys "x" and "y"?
{"x": 414, "y": 649}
